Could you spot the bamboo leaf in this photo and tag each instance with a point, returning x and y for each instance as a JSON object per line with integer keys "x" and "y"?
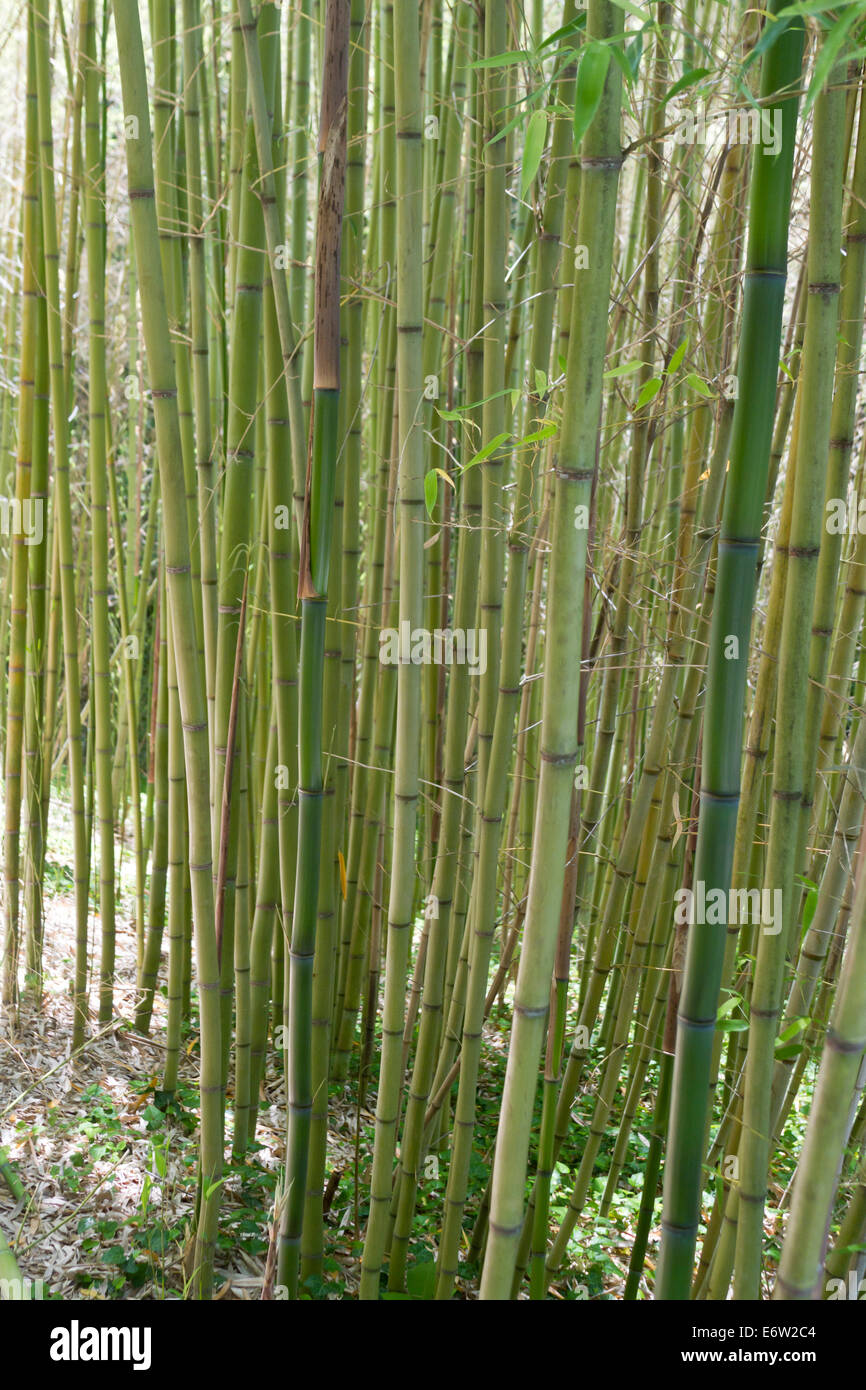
{"x": 466, "y": 409}
{"x": 546, "y": 432}
{"x": 792, "y": 1030}
{"x": 698, "y": 384}
{"x": 809, "y": 905}
{"x": 633, "y": 10}
{"x": 829, "y": 54}
{"x": 784, "y": 368}
{"x": 533, "y": 149}
{"x": 688, "y": 79}
{"x": 626, "y": 369}
{"x": 514, "y": 124}
{"x": 648, "y": 392}
{"x": 594, "y": 63}
{"x": 495, "y": 443}
{"x": 431, "y": 490}
{"x": 677, "y": 359}
{"x": 502, "y": 60}
{"x": 565, "y": 31}
{"x": 812, "y": 8}
{"x": 627, "y": 67}
{"x": 634, "y": 52}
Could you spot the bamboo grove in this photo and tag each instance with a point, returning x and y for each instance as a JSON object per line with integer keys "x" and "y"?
{"x": 433, "y": 587}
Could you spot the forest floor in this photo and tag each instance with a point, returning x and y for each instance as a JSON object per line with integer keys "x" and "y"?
{"x": 108, "y": 1162}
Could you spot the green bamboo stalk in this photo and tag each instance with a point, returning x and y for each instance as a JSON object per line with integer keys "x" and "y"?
{"x": 819, "y": 350}
{"x": 732, "y": 612}
{"x": 191, "y": 684}
{"x": 313, "y": 591}
{"x": 409, "y": 188}
{"x": 18, "y": 579}
{"x": 575, "y": 468}
{"x": 64, "y": 521}
{"x": 94, "y": 215}
{"x": 801, "y": 1262}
